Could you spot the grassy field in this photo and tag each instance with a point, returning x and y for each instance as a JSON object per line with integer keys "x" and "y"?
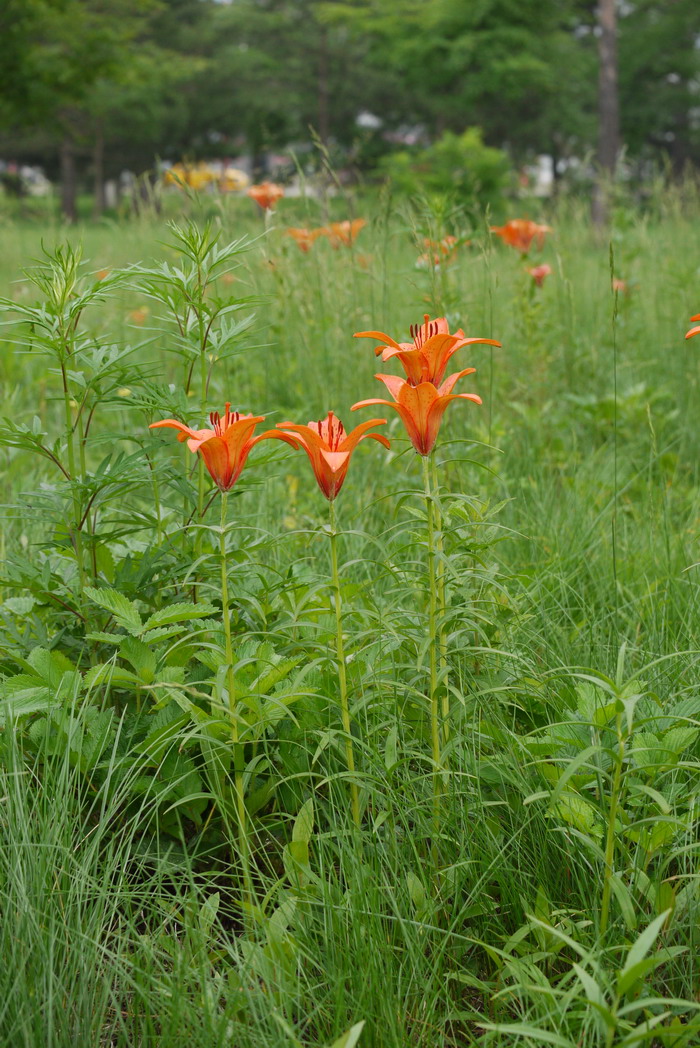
{"x": 180, "y": 860}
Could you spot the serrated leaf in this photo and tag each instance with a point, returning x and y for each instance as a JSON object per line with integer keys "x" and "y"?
{"x": 167, "y": 724}
{"x": 123, "y": 610}
{"x": 141, "y": 657}
{"x": 108, "y": 673}
{"x": 178, "y": 613}
{"x": 19, "y": 605}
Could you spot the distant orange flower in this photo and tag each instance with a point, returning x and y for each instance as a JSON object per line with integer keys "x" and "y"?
{"x": 102, "y": 274}
{"x": 225, "y": 447}
{"x": 421, "y": 407}
{"x": 328, "y": 446}
{"x": 427, "y": 356}
{"x": 538, "y": 273}
{"x": 343, "y": 232}
{"x": 621, "y": 286}
{"x": 695, "y": 330}
{"x": 520, "y": 233}
{"x": 139, "y": 316}
{"x": 266, "y": 194}
{"x": 304, "y": 238}
{"x": 438, "y": 251}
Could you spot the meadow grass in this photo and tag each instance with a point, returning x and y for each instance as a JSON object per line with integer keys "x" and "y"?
{"x": 570, "y": 513}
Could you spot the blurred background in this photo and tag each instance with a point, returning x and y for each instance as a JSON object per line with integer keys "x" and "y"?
{"x": 106, "y": 104}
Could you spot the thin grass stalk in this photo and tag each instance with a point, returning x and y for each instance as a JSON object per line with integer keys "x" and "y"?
{"x": 342, "y": 672}
{"x": 610, "y": 834}
{"x": 238, "y": 758}
{"x": 433, "y": 647}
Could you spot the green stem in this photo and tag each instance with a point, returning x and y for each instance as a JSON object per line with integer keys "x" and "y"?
{"x": 433, "y": 650}
{"x": 342, "y": 674}
{"x": 203, "y": 409}
{"x": 238, "y": 756}
{"x": 610, "y": 837}
{"x": 442, "y": 605}
{"x": 70, "y": 449}
{"x": 89, "y": 519}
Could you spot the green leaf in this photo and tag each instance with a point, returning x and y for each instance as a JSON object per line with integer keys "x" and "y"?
{"x": 624, "y": 901}
{"x": 304, "y": 822}
{"x": 350, "y": 1038}
{"x": 178, "y": 613}
{"x": 141, "y": 657}
{"x": 390, "y": 748}
{"x": 124, "y": 611}
{"x": 108, "y": 673}
{"x": 634, "y": 967}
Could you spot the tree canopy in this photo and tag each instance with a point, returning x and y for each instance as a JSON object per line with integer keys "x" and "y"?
{"x": 197, "y": 78}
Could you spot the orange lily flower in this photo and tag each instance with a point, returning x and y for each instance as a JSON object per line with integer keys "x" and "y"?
{"x": 538, "y": 273}
{"x": 266, "y": 194}
{"x": 426, "y": 358}
{"x": 421, "y": 406}
{"x": 304, "y": 238}
{"x": 225, "y": 447}
{"x": 520, "y": 232}
{"x": 695, "y": 330}
{"x": 328, "y": 446}
{"x": 343, "y": 232}
{"x": 438, "y": 251}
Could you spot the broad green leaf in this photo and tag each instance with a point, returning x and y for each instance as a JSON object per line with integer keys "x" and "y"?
{"x": 304, "y": 822}
{"x": 124, "y": 611}
{"x": 638, "y": 951}
{"x": 350, "y": 1038}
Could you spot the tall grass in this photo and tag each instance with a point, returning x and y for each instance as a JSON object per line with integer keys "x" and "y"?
{"x": 574, "y": 578}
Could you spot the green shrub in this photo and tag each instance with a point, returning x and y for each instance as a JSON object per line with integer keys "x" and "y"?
{"x": 457, "y": 165}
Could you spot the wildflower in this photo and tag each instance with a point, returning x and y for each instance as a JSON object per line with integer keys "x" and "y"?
{"x": 520, "y": 232}
{"x": 303, "y": 238}
{"x": 102, "y": 274}
{"x": 620, "y": 286}
{"x": 343, "y": 232}
{"x": 438, "y": 251}
{"x": 695, "y": 330}
{"x": 538, "y": 273}
{"x": 328, "y": 446}
{"x": 224, "y": 447}
{"x": 139, "y": 316}
{"x": 426, "y": 357}
{"x": 421, "y": 407}
{"x": 266, "y": 194}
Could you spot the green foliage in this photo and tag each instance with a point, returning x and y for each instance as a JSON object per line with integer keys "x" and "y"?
{"x": 457, "y": 166}
{"x": 559, "y": 901}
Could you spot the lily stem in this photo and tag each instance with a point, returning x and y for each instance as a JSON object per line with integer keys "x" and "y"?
{"x": 433, "y": 652}
{"x": 610, "y": 836}
{"x": 238, "y": 755}
{"x": 70, "y": 449}
{"x": 442, "y": 607}
{"x": 342, "y": 674}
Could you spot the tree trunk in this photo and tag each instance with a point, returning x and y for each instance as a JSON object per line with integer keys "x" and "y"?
{"x": 98, "y": 163}
{"x": 69, "y": 185}
{"x": 608, "y": 109}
